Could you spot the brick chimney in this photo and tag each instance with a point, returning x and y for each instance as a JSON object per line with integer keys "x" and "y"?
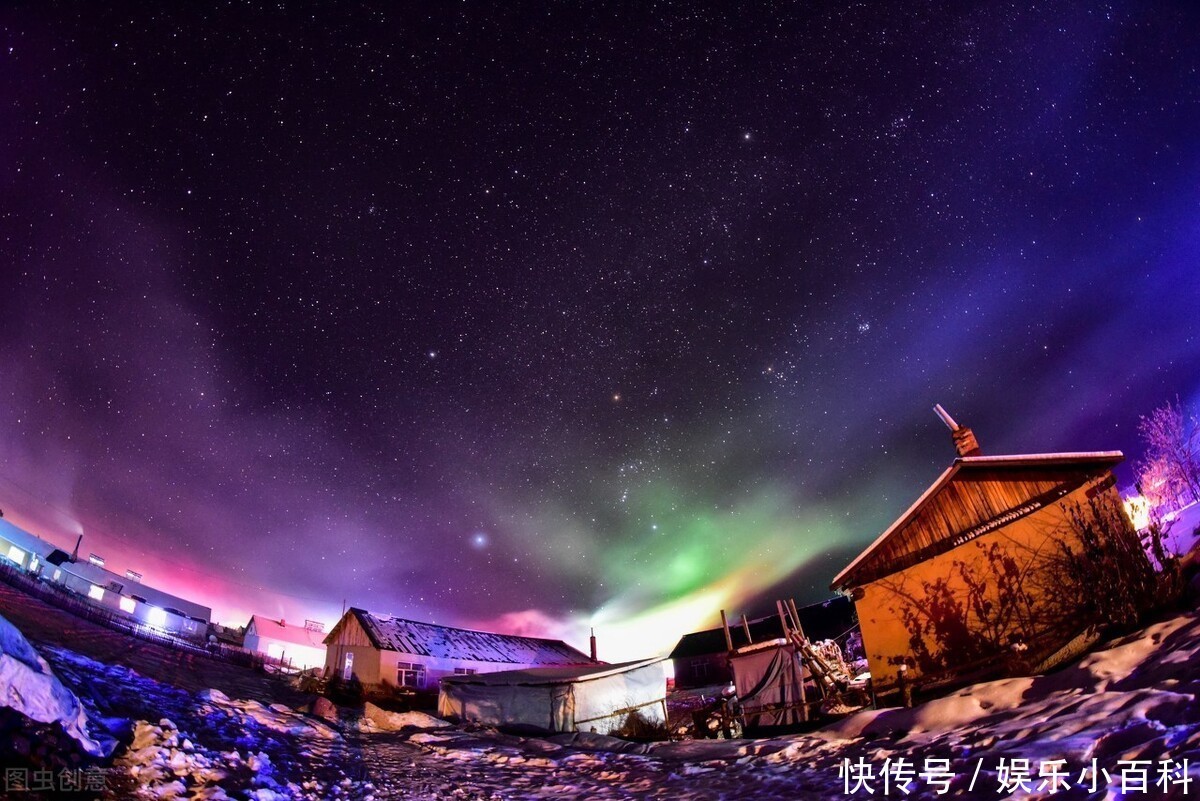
{"x": 964, "y": 438}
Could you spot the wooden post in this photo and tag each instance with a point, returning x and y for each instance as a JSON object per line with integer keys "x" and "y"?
{"x": 796, "y": 618}
{"x": 746, "y": 628}
{"x": 725, "y": 626}
{"x": 906, "y": 695}
{"x": 780, "y": 608}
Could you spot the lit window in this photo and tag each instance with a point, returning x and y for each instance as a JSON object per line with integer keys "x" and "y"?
{"x": 157, "y": 617}
{"x": 57, "y": 574}
{"x": 16, "y": 555}
{"x": 410, "y": 674}
{"x": 96, "y": 593}
{"x": 128, "y": 605}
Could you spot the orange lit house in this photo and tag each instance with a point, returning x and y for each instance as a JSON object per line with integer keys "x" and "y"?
{"x": 1001, "y": 566}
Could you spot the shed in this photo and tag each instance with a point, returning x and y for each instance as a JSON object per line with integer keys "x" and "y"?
{"x": 768, "y": 677}
{"x": 997, "y": 566}
{"x": 383, "y": 650}
{"x": 595, "y": 698}
{"x": 701, "y": 658}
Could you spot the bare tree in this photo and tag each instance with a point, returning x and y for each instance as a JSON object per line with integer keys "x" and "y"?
{"x": 1170, "y": 470}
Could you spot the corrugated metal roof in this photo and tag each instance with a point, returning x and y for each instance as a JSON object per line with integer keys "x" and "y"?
{"x": 444, "y": 642}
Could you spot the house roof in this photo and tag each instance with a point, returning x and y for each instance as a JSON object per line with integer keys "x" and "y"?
{"x": 389, "y": 633}
{"x": 135, "y": 589}
{"x": 1034, "y": 480}
{"x": 568, "y": 674}
{"x": 823, "y": 621}
{"x": 271, "y": 629}
{"x": 24, "y": 540}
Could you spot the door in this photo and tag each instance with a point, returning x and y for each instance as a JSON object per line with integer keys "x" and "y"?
{"x": 348, "y": 668}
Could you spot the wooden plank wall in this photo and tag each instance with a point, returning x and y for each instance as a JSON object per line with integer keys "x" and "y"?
{"x": 970, "y": 499}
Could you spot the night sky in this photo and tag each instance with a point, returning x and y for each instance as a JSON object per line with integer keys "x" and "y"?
{"x": 540, "y": 316}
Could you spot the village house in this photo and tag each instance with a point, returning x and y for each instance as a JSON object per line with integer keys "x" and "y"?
{"x": 1001, "y": 566}
{"x": 21, "y": 548}
{"x": 701, "y": 658}
{"x": 298, "y": 646}
{"x": 381, "y": 650}
{"x": 125, "y": 595}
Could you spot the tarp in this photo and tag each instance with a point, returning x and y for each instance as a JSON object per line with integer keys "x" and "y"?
{"x": 593, "y": 698}
{"x": 767, "y": 679}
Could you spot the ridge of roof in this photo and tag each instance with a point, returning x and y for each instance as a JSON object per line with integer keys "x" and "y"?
{"x": 394, "y": 619}
{"x": 1068, "y": 457}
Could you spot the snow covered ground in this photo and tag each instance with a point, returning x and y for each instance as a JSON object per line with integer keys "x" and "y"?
{"x": 1123, "y": 718}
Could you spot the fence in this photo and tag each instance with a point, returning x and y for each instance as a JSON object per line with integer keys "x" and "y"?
{"x": 77, "y": 605}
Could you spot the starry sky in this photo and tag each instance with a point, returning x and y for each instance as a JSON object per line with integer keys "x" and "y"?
{"x": 542, "y": 316}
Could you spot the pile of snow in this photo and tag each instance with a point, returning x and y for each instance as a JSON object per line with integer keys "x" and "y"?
{"x": 276, "y": 717}
{"x": 28, "y": 686}
{"x": 382, "y": 720}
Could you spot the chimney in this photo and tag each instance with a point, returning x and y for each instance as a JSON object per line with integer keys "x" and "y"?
{"x": 593, "y": 642}
{"x": 964, "y": 438}
{"x": 75, "y": 553}
{"x": 282, "y": 623}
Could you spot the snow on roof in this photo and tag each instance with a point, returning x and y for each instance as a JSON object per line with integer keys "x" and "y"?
{"x": 272, "y": 629}
{"x": 24, "y": 540}
{"x": 428, "y": 639}
{"x": 130, "y": 588}
{"x": 553, "y": 675}
{"x": 968, "y": 462}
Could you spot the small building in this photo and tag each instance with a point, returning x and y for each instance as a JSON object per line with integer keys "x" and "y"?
{"x": 385, "y": 651}
{"x": 701, "y": 658}
{"x": 590, "y": 698}
{"x": 144, "y": 604}
{"x": 1000, "y": 566}
{"x": 298, "y": 646}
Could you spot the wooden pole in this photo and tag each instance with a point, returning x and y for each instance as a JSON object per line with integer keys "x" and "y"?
{"x": 746, "y": 628}
{"x": 796, "y": 618}
{"x": 779, "y": 607}
{"x": 782, "y": 619}
{"x": 725, "y": 626}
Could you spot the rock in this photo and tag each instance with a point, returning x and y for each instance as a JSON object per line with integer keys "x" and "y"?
{"x": 322, "y": 707}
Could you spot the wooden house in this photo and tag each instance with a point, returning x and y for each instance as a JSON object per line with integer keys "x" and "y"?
{"x": 997, "y": 567}
{"x": 701, "y": 659}
{"x": 381, "y": 650}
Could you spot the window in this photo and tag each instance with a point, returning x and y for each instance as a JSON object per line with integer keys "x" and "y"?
{"x": 410, "y": 674}
{"x": 348, "y": 669}
{"x": 464, "y": 671}
{"x": 96, "y": 593}
{"x": 157, "y": 617}
{"x": 57, "y": 574}
{"x": 699, "y": 668}
{"x": 128, "y": 605}
{"x": 16, "y": 555}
